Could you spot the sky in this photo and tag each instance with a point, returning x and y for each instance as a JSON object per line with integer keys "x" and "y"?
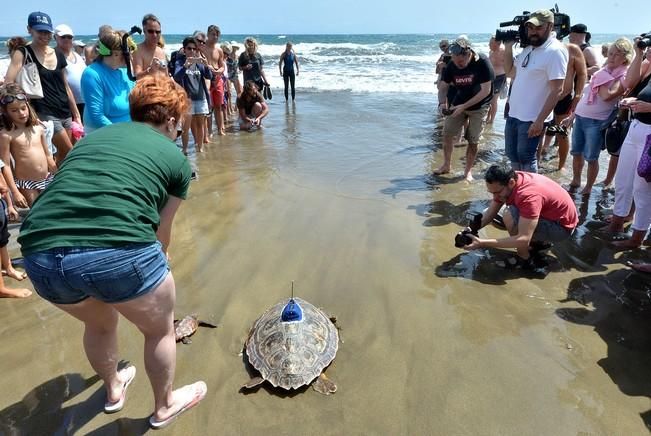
{"x": 287, "y": 17}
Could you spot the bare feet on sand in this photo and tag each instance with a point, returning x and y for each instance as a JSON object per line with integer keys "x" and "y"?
{"x": 442, "y": 170}
{"x": 469, "y": 178}
{"x": 14, "y": 293}
{"x": 14, "y": 274}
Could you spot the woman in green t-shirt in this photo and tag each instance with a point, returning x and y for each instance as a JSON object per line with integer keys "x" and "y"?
{"x": 95, "y": 242}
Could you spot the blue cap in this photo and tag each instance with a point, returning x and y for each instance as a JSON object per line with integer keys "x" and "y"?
{"x": 40, "y": 21}
{"x": 292, "y": 312}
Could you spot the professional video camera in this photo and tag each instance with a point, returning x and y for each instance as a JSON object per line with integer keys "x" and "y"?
{"x": 644, "y": 41}
{"x": 462, "y": 239}
{"x": 561, "y": 27}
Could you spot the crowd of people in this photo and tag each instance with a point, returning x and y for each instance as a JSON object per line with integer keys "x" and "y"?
{"x": 132, "y": 102}
{"x": 560, "y": 90}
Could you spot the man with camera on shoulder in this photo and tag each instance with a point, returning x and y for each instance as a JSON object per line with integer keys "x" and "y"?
{"x": 472, "y": 76}
{"x": 540, "y": 71}
{"x": 538, "y": 212}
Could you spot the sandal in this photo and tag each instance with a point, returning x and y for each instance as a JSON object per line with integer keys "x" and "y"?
{"x": 194, "y": 394}
{"x": 130, "y": 372}
{"x": 516, "y": 262}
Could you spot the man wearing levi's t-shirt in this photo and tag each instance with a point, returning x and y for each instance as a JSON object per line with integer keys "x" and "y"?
{"x": 538, "y": 212}
{"x": 472, "y": 76}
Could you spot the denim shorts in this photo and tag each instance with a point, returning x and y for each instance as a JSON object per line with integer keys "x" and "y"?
{"x": 587, "y": 138}
{"x": 546, "y": 230}
{"x": 199, "y": 107}
{"x": 58, "y": 123}
{"x": 112, "y": 275}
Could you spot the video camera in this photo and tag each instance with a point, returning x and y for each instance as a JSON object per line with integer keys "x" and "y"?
{"x": 644, "y": 41}
{"x": 462, "y": 239}
{"x": 561, "y": 27}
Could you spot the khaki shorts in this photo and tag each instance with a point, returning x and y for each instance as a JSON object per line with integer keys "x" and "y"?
{"x": 453, "y": 125}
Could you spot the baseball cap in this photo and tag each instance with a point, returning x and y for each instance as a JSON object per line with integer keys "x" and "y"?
{"x": 540, "y": 17}
{"x": 579, "y": 28}
{"x": 63, "y": 29}
{"x": 460, "y": 46}
{"x": 78, "y": 43}
{"x": 40, "y": 21}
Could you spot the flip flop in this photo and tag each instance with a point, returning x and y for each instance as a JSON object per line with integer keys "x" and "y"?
{"x": 196, "y": 390}
{"x": 130, "y": 372}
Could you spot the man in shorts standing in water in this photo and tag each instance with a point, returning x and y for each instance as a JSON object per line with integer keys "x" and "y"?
{"x": 217, "y": 64}
{"x": 496, "y": 58}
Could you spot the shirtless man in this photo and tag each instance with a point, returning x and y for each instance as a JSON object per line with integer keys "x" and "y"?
{"x": 580, "y": 36}
{"x": 149, "y": 58}
{"x": 216, "y": 63}
{"x": 573, "y": 85}
{"x": 496, "y": 58}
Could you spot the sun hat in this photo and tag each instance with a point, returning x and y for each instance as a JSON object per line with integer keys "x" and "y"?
{"x": 235, "y": 45}
{"x": 78, "y": 43}
{"x": 226, "y": 47}
{"x": 62, "y": 30}
{"x": 540, "y": 17}
{"x": 40, "y": 21}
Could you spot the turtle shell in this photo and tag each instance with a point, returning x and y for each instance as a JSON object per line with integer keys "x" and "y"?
{"x": 292, "y": 354}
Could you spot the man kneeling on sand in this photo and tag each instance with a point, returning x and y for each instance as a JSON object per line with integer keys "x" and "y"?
{"x": 538, "y": 212}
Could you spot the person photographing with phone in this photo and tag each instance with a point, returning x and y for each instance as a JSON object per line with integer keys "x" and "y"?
{"x": 191, "y": 72}
{"x": 472, "y": 76}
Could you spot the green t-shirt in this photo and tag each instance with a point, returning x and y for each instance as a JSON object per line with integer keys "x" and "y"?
{"x": 109, "y": 191}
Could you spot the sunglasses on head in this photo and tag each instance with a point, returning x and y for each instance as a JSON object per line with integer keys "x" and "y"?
{"x": 152, "y": 31}
{"x": 11, "y": 98}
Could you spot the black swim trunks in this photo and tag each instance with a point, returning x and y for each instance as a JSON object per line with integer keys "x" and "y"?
{"x": 4, "y": 231}
{"x": 499, "y": 83}
{"x": 563, "y": 106}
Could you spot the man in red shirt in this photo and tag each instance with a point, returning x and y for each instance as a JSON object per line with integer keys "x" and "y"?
{"x": 538, "y": 212}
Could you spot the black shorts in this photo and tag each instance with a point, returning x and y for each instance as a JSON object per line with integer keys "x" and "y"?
{"x": 563, "y": 105}
{"x": 4, "y": 231}
{"x": 499, "y": 83}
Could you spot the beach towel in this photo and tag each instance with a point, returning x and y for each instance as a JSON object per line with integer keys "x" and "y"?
{"x": 604, "y": 77}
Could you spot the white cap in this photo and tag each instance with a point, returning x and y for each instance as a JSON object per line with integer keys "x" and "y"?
{"x": 63, "y": 29}
{"x": 78, "y": 43}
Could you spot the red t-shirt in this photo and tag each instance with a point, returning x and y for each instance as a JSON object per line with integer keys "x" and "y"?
{"x": 537, "y": 196}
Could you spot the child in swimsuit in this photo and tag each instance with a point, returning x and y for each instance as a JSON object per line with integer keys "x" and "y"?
{"x": 23, "y": 140}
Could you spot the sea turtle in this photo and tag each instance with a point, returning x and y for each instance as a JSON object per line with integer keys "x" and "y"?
{"x": 186, "y": 327}
{"x": 291, "y": 344}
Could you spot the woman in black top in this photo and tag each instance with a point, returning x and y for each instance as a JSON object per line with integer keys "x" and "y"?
{"x": 251, "y": 63}
{"x": 629, "y": 186}
{"x": 58, "y": 104}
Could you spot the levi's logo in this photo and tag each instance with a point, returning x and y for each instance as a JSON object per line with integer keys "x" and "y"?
{"x": 464, "y": 80}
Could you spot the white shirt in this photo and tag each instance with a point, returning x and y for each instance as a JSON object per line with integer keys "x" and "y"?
{"x": 531, "y": 84}
{"x": 75, "y": 68}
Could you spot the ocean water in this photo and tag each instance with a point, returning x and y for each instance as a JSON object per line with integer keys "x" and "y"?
{"x": 355, "y": 63}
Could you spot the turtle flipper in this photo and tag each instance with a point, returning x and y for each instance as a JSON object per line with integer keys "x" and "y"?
{"x": 324, "y": 385}
{"x": 255, "y": 381}
{"x": 206, "y": 324}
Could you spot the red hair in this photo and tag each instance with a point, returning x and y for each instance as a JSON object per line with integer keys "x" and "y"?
{"x": 156, "y": 98}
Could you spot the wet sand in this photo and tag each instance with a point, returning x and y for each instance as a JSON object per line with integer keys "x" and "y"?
{"x": 336, "y": 194}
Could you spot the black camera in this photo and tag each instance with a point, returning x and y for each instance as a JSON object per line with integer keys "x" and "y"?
{"x": 447, "y": 112}
{"x": 462, "y": 239}
{"x": 561, "y": 27}
{"x": 644, "y": 41}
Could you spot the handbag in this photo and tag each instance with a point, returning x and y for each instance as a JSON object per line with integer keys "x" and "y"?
{"x": 644, "y": 166}
{"x": 266, "y": 92}
{"x": 615, "y": 129}
{"x": 28, "y": 77}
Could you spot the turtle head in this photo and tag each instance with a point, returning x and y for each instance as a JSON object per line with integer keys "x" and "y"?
{"x": 292, "y": 312}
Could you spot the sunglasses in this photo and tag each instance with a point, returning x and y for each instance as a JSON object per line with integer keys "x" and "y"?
{"x": 201, "y": 41}
{"x": 190, "y": 49}
{"x": 11, "y": 98}
{"x": 525, "y": 61}
{"x": 152, "y": 31}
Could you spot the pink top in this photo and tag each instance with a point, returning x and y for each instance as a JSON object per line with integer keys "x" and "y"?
{"x": 537, "y": 196}
{"x": 591, "y": 104}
